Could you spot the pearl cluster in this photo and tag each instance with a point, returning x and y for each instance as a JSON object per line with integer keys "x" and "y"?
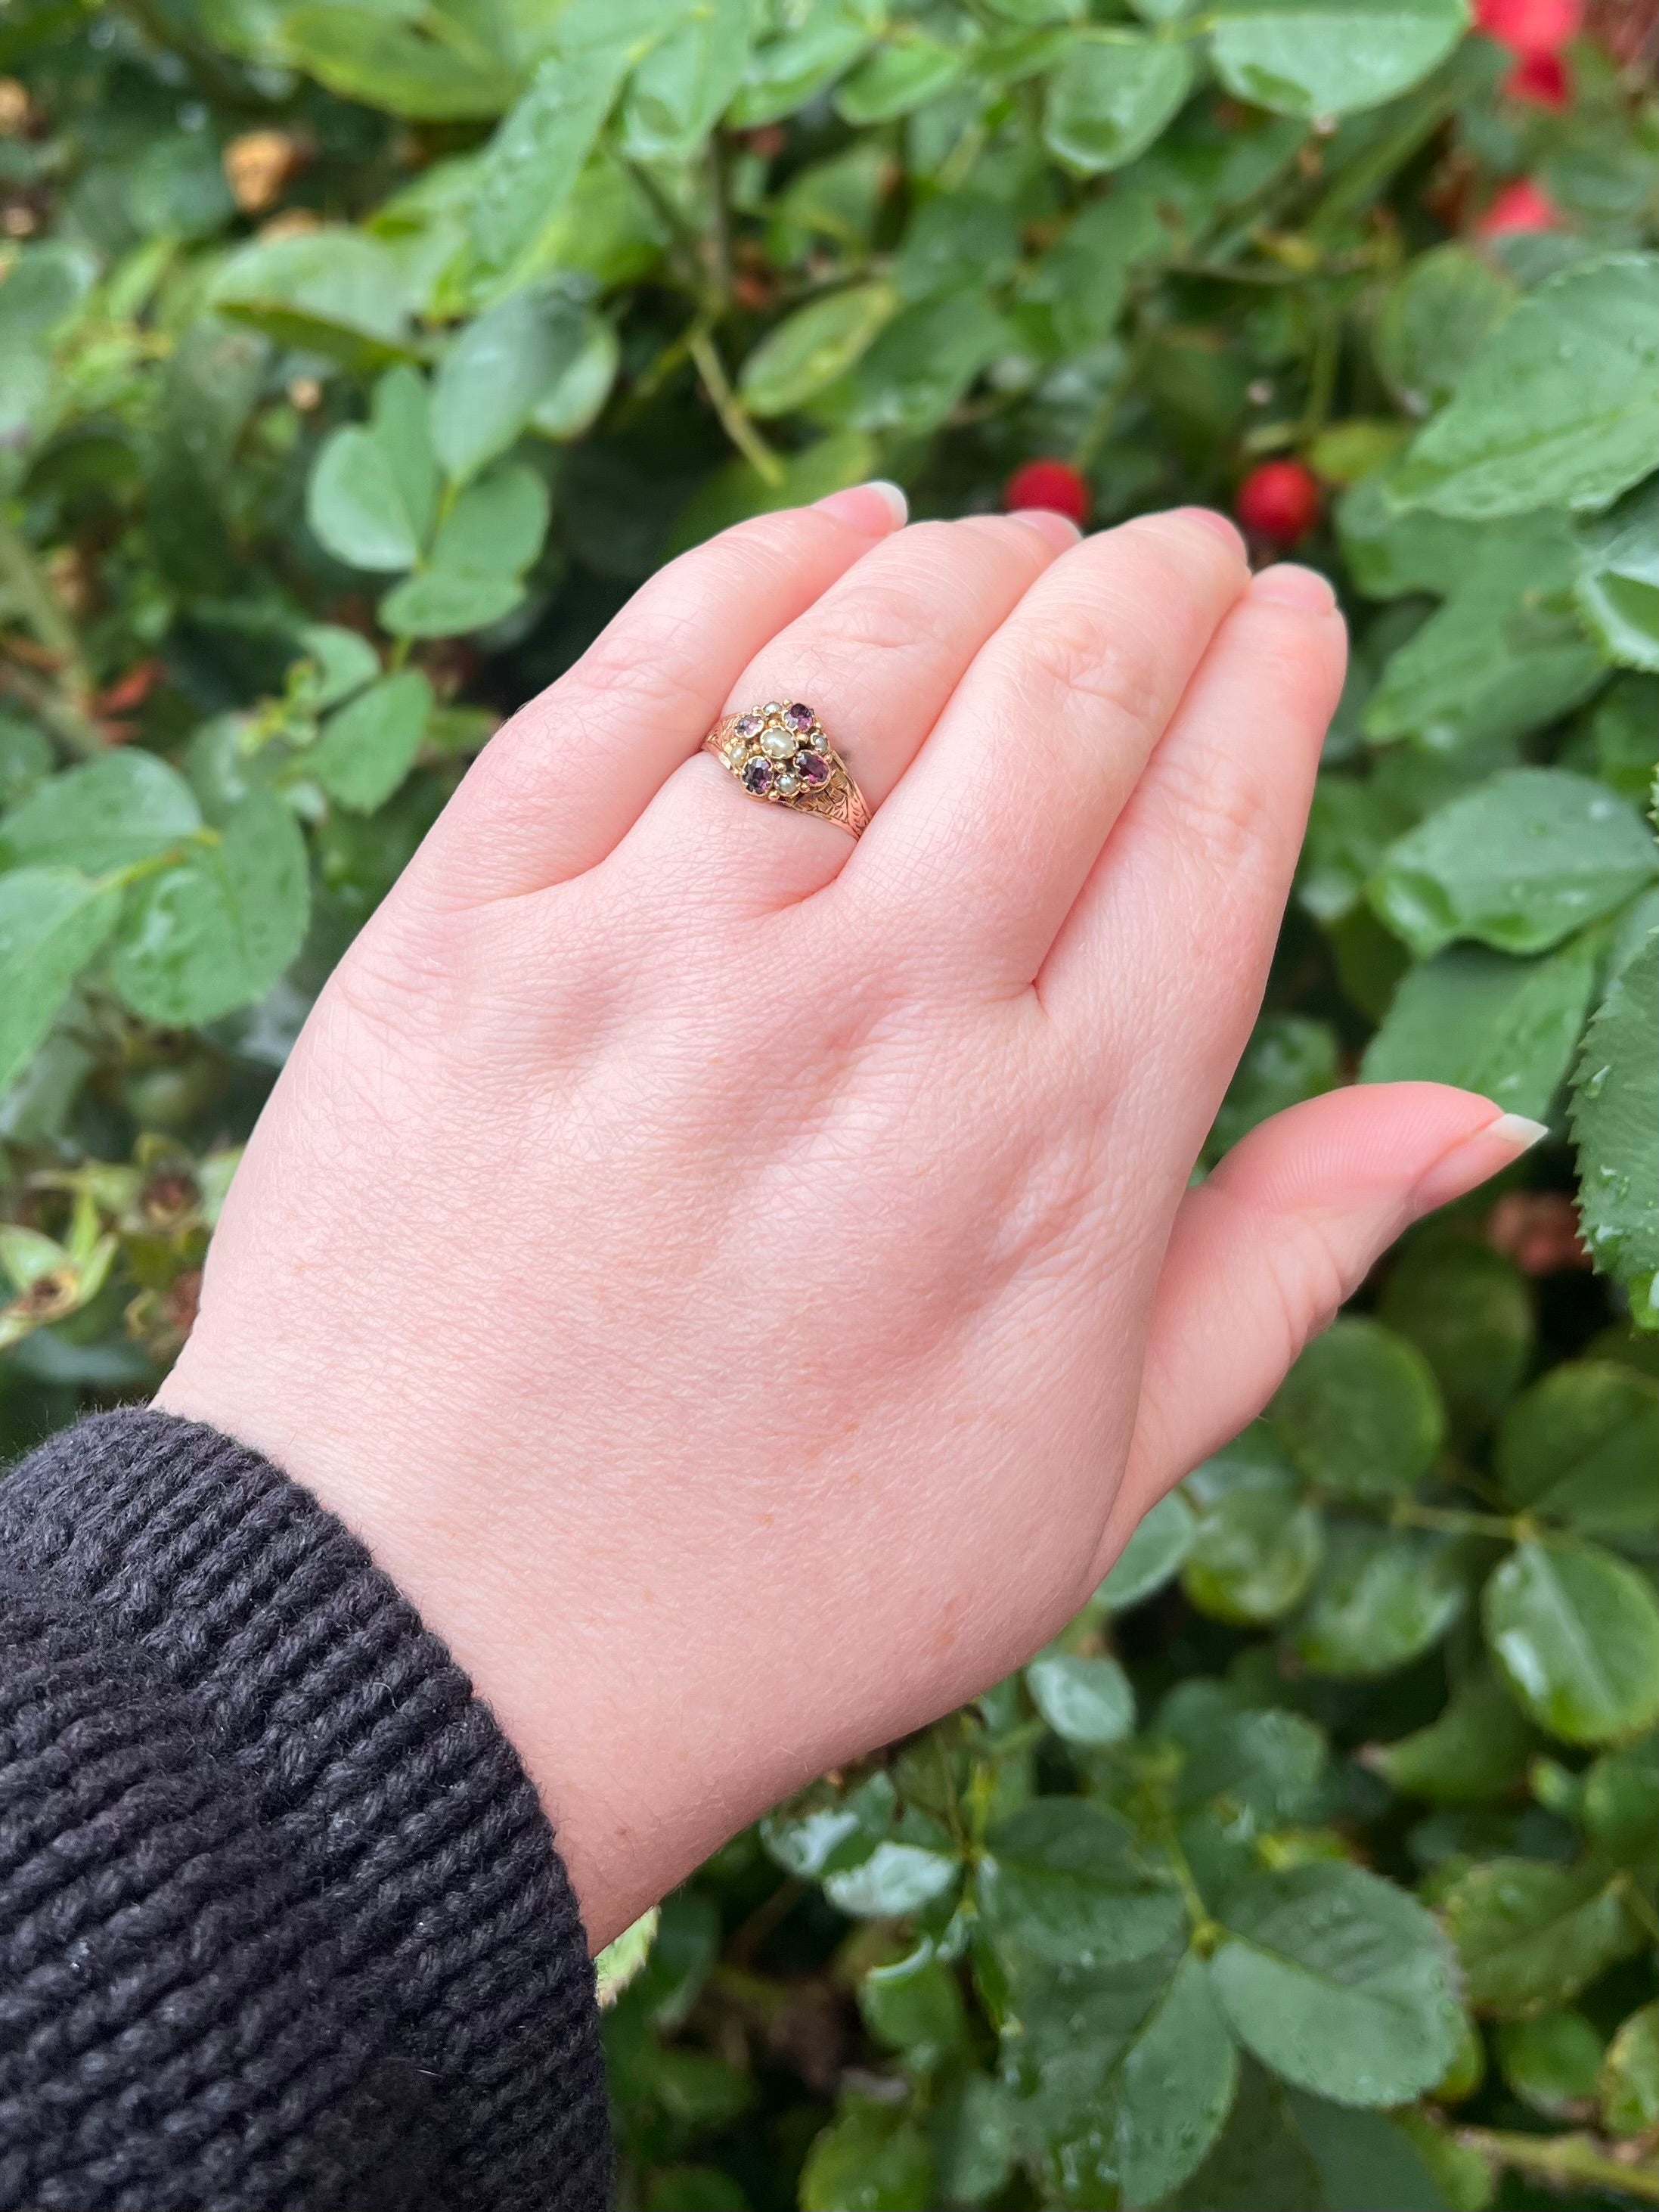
{"x": 778, "y": 750}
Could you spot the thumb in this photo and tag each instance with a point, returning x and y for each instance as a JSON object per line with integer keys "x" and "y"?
{"x": 1264, "y": 1252}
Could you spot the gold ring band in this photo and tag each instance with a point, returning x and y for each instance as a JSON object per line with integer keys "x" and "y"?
{"x": 779, "y": 753}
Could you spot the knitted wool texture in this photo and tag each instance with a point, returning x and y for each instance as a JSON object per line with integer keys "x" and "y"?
{"x": 280, "y": 1920}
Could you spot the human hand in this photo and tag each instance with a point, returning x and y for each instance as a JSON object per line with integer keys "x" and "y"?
{"x": 743, "y": 1284}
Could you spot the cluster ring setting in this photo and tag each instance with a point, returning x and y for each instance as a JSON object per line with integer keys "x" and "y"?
{"x": 780, "y": 754}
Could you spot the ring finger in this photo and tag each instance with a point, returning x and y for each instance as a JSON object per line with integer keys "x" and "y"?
{"x": 877, "y": 657}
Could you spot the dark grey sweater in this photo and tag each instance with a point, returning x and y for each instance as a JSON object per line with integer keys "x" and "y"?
{"x": 280, "y": 1920}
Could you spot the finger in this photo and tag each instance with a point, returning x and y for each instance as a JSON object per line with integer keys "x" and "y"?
{"x": 877, "y": 656}
{"x": 1175, "y": 931}
{"x": 557, "y": 788}
{"x": 984, "y": 847}
{"x": 1264, "y": 1252}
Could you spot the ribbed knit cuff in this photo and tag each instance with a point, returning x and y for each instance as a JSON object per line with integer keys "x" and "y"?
{"x": 280, "y": 1919}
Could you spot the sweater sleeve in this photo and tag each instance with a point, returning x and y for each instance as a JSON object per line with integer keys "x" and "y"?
{"x": 281, "y": 1924}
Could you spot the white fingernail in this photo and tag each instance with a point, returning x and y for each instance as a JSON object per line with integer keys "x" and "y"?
{"x": 1516, "y": 1130}
{"x": 897, "y": 503}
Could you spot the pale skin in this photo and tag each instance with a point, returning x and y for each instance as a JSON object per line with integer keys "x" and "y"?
{"x": 743, "y": 1284}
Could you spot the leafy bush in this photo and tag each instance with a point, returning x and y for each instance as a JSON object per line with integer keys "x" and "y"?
{"x": 356, "y": 361}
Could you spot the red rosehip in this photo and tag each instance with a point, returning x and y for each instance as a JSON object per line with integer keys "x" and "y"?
{"x": 1521, "y": 206}
{"x": 1540, "y": 79}
{"x": 1531, "y": 26}
{"x": 1053, "y": 484}
{"x": 1280, "y": 501}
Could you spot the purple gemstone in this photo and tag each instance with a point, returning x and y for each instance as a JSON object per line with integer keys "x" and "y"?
{"x": 757, "y": 777}
{"x": 799, "y": 717}
{"x": 813, "y": 770}
{"x": 748, "y": 725}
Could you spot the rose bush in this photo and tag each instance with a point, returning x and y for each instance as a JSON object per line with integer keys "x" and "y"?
{"x": 356, "y": 361}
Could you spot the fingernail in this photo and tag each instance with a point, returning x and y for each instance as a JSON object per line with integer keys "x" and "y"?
{"x": 1288, "y": 586}
{"x": 1216, "y": 523}
{"x": 875, "y": 508}
{"x": 1491, "y": 1148}
{"x": 1060, "y": 530}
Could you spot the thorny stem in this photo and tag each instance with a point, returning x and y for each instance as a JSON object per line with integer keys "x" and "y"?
{"x": 735, "y": 419}
{"x": 1562, "y": 2162}
{"x": 64, "y": 707}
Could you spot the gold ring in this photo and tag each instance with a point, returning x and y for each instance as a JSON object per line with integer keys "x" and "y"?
{"x": 779, "y": 752}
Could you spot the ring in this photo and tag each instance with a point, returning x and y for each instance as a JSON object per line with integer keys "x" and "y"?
{"x": 779, "y": 752}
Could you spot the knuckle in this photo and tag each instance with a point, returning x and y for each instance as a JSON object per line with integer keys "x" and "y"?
{"x": 1073, "y": 651}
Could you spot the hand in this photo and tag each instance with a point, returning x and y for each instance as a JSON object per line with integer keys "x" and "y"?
{"x": 743, "y": 1284}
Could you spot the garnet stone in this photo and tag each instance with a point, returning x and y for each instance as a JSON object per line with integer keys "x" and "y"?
{"x": 748, "y": 725}
{"x": 813, "y": 770}
{"x": 799, "y": 717}
{"x": 757, "y": 777}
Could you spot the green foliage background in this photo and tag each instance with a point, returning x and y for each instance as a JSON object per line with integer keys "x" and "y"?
{"x": 355, "y": 362}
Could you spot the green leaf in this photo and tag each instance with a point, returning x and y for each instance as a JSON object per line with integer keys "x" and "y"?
{"x": 1299, "y": 2153}
{"x": 1529, "y": 1935}
{"x": 1258, "y": 1542}
{"x": 872, "y": 2159}
{"x": 335, "y": 292}
{"x": 1619, "y": 1802}
{"x": 1318, "y": 58}
{"x": 1087, "y": 1701}
{"x": 1263, "y": 1768}
{"x": 216, "y": 930}
{"x": 344, "y": 663}
{"x": 372, "y": 496}
{"x": 812, "y": 347}
{"x": 492, "y": 377}
{"x": 497, "y": 527}
{"x": 1628, "y": 2091}
{"x": 785, "y": 73}
{"x": 1560, "y": 407}
{"x": 367, "y": 748}
{"x": 820, "y": 1832}
{"x": 1338, "y": 1982}
{"x": 531, "y": 165}
{"x": 1360, "y": 1414}
{"x": 1615, "y": 1122}
{"x": 897, "y": 1878}
{"x": 1581, "y": 1447}
{"x": 447, "y": 602}
{"x": 1064, "y": 1882}
{"x": 1552, "y": 2062}
{"x": 1170, "y": 2094}
{"x": 1617, "y": 587}
{"x": 427, "y": 67}
{"x": 1153, "y": 1556}
{"x": 1506, "y": 653}
{"x": 1469, "y": 1312}
{"x": 916, "y": 2006}
{"x": 898, "y": 77}
{"x": 1111, "y": 95}
{"x": 1383, "y": 1596}
{"x": 676, "y": 94}
{"x": 1505, "y": 1028}
{"x": 1477, "y": 1749}
{"x": 919, "y": 367}
{"x": 1433, "y": 322}
{"x": 1289, "y": 1058}
{"x": 1577, "y": 1634}
{"x": 124, "y": 807}
{"x": 572, "y": 402}
{"x": 51, "y": 923}
{"x": 739, "y": 489}
{"x": 1519, "y": 863}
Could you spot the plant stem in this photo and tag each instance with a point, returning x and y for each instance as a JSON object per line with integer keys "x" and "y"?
{"x": 1409, "y": 1515}
{"x": 64, "y": 706}
{"x": 1562, "y": 2162}
{"x": 735, "y": 419}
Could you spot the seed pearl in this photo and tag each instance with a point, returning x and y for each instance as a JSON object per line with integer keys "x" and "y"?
{"x": 787, "y": 786}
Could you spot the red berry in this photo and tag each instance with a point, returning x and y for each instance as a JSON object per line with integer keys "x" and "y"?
{"x": 1531, "y": 26}
{"x": 1053, "y": 484}
{"x": 1540, "y": 79}
{"x": 1280, "y": 501}
{"x": 1521, "y": 206}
